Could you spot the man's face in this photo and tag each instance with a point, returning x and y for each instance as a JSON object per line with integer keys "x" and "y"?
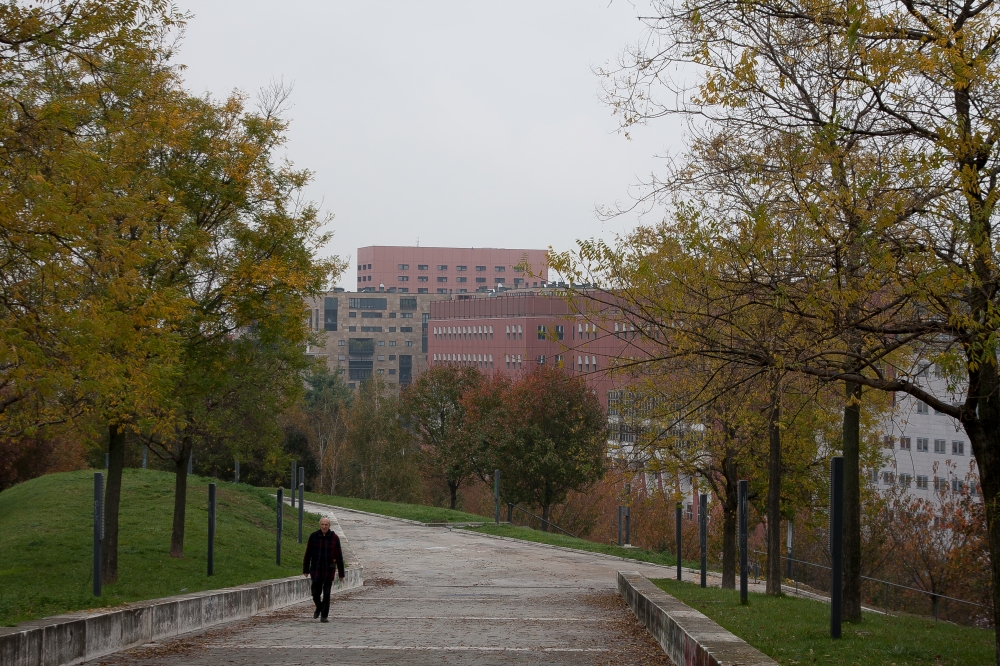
{"x": 324, "y": 525}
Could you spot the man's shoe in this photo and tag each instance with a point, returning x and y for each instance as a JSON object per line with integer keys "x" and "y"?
{"x": 316, "y": 614}
{"x": 323, "y": 619}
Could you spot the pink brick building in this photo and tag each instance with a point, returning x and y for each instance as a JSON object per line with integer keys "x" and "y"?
{"x": 448, "y": 270}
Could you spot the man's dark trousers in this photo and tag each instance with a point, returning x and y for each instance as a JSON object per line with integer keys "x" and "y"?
{"x": 322, "y": 602}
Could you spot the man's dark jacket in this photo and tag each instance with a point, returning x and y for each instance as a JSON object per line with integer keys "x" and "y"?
{"x": 322, "y": 555}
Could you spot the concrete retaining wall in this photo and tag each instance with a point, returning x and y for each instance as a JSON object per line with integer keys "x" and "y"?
{"x": 687, "y": 636}
{"x": 77, "y": 637}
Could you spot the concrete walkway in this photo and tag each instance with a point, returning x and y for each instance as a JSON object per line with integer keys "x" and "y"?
{"x": 440, "y": 596}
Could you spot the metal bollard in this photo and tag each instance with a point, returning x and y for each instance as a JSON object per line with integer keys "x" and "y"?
{"x": 211, "y": 529}
{"x": 144, "y": 450}
{"x": 98, "y": 529}
{"x": 496, "y": 496}
{"x": 237, "y": 479}
{"x": 510, "y": 513}
{"x": 791, "y": 530}
{"x": 293, "y": 486}
{"x": 703, "y": 537}
{"x": 628, "y": 527}
{"x": 620, "y": 507}
{"x": 677, "y": 533}
{"x": 302, "y": 490}
{"x": 277, "y": 546}
{"x": 743, "y": 489}
{"x": 837, "y": 544}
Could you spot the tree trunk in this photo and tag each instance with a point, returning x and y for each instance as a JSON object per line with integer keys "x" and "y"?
{"x": 852, "y": 504}
{"x": 774, "y": 499}
{"x": 112, "y": 502}
{"x": 453, "y": 489}
{"x": 729, "y": 542}
{"x": 180, "y": 499}
{"x": 545, "y": 517}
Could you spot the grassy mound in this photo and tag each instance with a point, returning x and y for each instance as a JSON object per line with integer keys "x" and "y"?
{"x": 556, "y": 539}
{"x": 46, "y": 542}
{"x": 797, "y": 631}
{"x": 417, "y": 512}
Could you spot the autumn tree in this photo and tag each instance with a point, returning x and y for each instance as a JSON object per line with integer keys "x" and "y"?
{"x": 434, "y": 409}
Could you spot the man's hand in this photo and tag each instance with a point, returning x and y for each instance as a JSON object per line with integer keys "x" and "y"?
{"x": 306, "y": 575}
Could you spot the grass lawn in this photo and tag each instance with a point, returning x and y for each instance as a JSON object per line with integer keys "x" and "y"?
{"x": 46, "y": 542}
{"x": 418, "y": 512}
{"x": 797, "y": 631}
{"x": 556, "y": 539}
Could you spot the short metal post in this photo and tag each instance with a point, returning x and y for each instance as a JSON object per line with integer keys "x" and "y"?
{"x": 703, "y": 537}
{"x": 237, "y": 478}
{"x": 496, "y": 496}
{"x": 144, "y": 450}
{"x": 677, "y": 534}
{"x": 291, "y": 488}
{"x": 743, "y": 490}
{"x": 510, "y": 513}
{"x": 791, "y": 530}
{"x": 281, "y": 507}
{"x": 107, "y": 460}
{"x": 302, "y": 489}
{"x": 98, "y": 529}
{"x": 837, "y": 544}
{"x": 211, "y": 529}
{"x": 620, "y": 542}
{"x": 628, "y": 527}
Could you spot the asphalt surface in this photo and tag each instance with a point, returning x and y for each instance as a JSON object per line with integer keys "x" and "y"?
{"x": 439, "y": 596}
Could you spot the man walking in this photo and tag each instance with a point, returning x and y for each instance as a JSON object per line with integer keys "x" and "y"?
{"x": 322, "y": 554}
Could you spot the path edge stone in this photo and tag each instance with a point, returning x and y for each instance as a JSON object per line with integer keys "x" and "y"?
{"x": 687, "y": 636}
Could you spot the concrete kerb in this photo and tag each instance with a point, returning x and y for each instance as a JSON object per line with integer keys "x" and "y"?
{"x": 687, "y": 636}
{"x": 401, "y": 520}
{"x": 81, "y": 636}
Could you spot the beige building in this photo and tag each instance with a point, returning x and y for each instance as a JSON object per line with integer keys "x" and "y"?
{"x": 369, "y": 334}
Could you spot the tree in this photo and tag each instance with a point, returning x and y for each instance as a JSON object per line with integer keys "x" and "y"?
{"x": 381, "y": 461}
{"x": 325, "y": 406}
{"x": 433, "y": 407}
{"x": 553, "y": 439}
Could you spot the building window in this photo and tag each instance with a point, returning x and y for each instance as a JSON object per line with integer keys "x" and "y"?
{"x": 368, "y": 303}
{"x": 520, "y": 333}
{"x": 957, "y": 485}
{"x": 340, "y": 343}
{"x": 403, "y": 278}
{"x": 392, "y": 343}
{"x": 888, "y": 478}
{"x": 329, "y": 313}
{"x": 541, "y": 333}
{"x": 381, "y": 371}
{"x": 940, "y": 484}
{"x": 498, "y": 280}
{"x": 421, "y": 267}
{"x": 381, "y": 357}
{"x": 478, "y": 279}
{"x": 392, "y": 315}
{"x": 352, "y": 329}
{"x": 442, "y": 291}
{"x": 371, "y": 329}
{"x": 922, "y": 482}
{"x": 442, "y": 278}
{"x": 422, "y": 290}
{"x": 407, "y": 304}
{"x": 958, "y": 448}
{"x": 442, "y": 267}
{"x": 904, "y": 443}
{"x": 459, "y": 268}
{"x": 499, "y": 269}
{"x": 404, "y": 267}
{"x": 392, "y": 371}
{"x": 352, "y": 315}
{"x": 461, "y": 291}
{"x": 888, "y": 442}
{"x": 480, "y": 269}
{"x": 921, "y": 407}
{"x": 406, "y": 315}
{"x": 381, "y": 343}
{"x": 922, "y": 444}
{"x": 421, "y": 278}
{"x": 404, "y": 290}
{"x": 458, "y": 279}
{"x": 392, "y": 329}
{"x": 409, "y": 343}
{"x": 371, "y": 315}
{"x": 939, "y": 446}
{"x": 905, "y": 480}
{"x": 560, "y": 332}
{"x": 541, "y": 359}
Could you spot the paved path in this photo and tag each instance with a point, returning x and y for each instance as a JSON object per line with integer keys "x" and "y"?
{"x": 439, "y": 596}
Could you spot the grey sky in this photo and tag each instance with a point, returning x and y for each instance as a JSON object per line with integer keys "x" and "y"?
{"x": 461, "y": 123}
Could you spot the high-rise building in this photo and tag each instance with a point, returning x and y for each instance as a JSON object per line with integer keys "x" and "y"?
{"x": 448, "y": 270}
{"x": 365, "y": 334}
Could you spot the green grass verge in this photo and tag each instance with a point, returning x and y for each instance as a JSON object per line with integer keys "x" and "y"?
{"x": 418, "y": 512}
{"x": 556, "y": 539}
{"x": 797, "y": 631}
{"x": 46, "y": 542}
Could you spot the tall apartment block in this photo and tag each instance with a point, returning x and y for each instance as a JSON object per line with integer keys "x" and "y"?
{"x": 448, "y": 270}
{"x": 364, "y": 334}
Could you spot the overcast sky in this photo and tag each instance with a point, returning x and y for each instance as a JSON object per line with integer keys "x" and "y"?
{"x": 464, "y": 124}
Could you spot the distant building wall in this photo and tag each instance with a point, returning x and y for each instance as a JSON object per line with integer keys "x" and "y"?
{"x": 448, "y": 270}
